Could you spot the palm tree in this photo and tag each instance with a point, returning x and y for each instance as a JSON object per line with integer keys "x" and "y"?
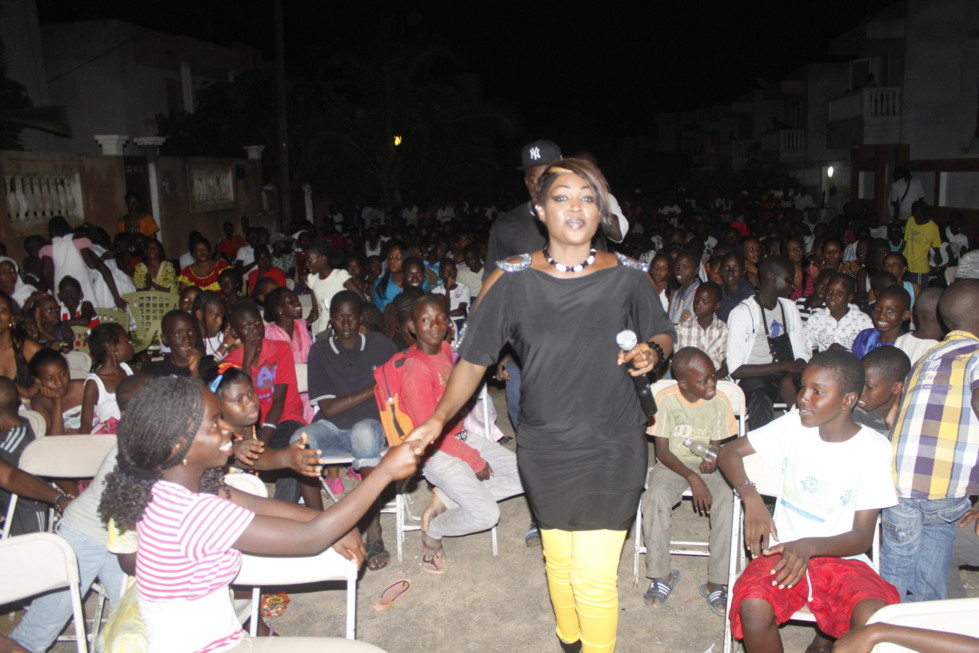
{"x": 17, "y": 113}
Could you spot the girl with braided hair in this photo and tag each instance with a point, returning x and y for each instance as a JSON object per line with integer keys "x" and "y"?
{"x": 192, "y": 529}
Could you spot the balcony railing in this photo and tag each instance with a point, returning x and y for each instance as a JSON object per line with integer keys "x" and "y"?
{"x": 41, "y": 196}
{"x": 785, "y": 142}
{"x": 871, "y": 104}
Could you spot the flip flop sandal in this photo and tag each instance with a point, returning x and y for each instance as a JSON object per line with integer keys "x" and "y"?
{"x": 375, "y": 549}
{"x": 717, "y": 600}
{"x": 434, "y": 563}
{"x": 659, "y": 591}
{"x": 391, "y": 594}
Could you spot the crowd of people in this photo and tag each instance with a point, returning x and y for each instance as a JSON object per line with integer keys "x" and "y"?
{"x": 858, "y": 332}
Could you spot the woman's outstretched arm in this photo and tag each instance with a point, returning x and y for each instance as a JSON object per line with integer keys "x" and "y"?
{"x": 289, "y": 534}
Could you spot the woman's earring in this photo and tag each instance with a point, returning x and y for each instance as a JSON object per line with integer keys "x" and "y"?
{"x": 184, "y": 462}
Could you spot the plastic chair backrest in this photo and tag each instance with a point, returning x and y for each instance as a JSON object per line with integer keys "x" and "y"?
{"x": 107, "y": 315}
{"x": 246, "y": 483}
{"x": 302, "y": 377}
{"x": 148, "y": 308}
{"x": 283, "y": 570}
{"x": 38, "y": 424}
{"x": 66, "y": 456}
{"x": 33, "y": 564}
{"x": 79, "y": 361}
{"x": 37, "y": 563}
{"x": 950, "y": 616}
{"x": 306, "y": 301}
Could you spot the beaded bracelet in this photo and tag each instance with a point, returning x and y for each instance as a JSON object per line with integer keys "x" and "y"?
{"x": 660, "y": 356}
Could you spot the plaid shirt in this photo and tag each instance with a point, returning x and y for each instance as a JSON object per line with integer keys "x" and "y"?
{"x": 936, "y": 436}
{"x": 822, "y": 329}
{"x": 712, "y": 340}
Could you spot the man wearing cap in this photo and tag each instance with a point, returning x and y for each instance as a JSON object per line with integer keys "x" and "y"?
{"x": 519, "y": 231}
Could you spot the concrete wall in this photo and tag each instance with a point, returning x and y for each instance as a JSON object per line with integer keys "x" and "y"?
{"x": 177, "y": 216}
{"x": 941, "y": 78}
{"x": 102, "y": 182}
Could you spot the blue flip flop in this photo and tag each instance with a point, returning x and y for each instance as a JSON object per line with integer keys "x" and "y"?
{"x": 659, "y": 591}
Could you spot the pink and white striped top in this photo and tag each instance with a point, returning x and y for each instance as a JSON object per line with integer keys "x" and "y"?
{"x": 184, "y": 565}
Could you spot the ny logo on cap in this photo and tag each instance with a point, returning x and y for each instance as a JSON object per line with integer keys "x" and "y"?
{"x": 535, "y": 153}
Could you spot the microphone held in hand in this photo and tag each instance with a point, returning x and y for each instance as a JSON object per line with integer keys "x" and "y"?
{"x": 627, "y": 341}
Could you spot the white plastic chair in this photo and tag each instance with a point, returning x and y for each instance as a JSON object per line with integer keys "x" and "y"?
{"x": 302, "y": 377}
{"x": 960, "y": 616}
{"x": 736, "y": 398}
{"x": 257, "y": 571}
{"x": 38, "y": 424}
{"x": 768, "y": 482}
{"x": 61, "y": 456}
{"x": 37, "y": 563}
{"x": 79, "y": 361}
{"x": 306, "y": 301}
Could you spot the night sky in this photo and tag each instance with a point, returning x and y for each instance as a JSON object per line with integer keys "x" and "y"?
{"x": 585, "y": 77}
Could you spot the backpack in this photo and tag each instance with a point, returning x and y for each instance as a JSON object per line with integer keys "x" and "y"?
{"x": 387, "y": 393}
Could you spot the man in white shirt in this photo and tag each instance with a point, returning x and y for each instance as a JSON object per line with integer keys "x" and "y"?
{"x": 766, "y": 342}
{"x": 905, "y": 191}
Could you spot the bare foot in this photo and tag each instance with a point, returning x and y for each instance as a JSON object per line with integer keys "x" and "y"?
{"x": 433, "y": 510}
{"x": 433, "y": 556}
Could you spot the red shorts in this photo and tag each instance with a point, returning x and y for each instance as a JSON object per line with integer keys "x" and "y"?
{"x": 838, "y": 584}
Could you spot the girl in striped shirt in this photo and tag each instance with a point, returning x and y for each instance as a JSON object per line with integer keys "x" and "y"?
{"x": 191, "y": 528}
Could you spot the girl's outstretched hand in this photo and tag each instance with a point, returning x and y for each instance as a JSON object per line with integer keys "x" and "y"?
{"x": 351, "y": 547}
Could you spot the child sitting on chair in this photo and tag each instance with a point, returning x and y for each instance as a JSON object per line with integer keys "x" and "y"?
{"x": 891, "y": 311}
{"x": 692, "y": 409}
{"x": 470, "y": 474}
{"x": 75, "y": 309}
{"x": 835, "y": 477}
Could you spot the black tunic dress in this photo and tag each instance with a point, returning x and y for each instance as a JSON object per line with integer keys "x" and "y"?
{"x": 581, "y": 449}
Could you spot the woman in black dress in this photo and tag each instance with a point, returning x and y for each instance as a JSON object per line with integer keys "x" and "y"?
{"x": 582, "y": 450}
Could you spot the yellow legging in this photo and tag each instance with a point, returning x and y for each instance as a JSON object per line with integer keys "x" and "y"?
{"x": 582, "y": 570}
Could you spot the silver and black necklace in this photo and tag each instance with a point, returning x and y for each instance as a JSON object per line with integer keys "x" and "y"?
{"x": 561, "y": 267}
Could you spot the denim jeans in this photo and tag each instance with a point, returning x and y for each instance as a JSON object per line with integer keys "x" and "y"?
{"x": 364, "y": 441}
{"x": 50, "y": 612}
{"x": 916, "y": 545}
{"x": 965, "y": 553}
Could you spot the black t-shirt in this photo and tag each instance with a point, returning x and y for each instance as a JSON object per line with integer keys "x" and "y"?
{"x": 518, "y": 231}
{"x": 165, "y": 368}
{"x": 336, "y": 372}
{"x": 583, "y": 452}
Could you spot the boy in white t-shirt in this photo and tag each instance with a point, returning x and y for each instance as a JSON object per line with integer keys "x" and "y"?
{"x": 458, "y": 295}
{"x": 835, "y": 479}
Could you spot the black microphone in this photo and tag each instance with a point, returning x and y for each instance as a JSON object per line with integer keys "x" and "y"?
{"x": 627, "y": 341}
